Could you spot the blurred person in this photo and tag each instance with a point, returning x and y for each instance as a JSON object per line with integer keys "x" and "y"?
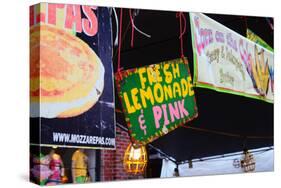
{"x": 57, "y": 168}
{"x": 79, "y": 166}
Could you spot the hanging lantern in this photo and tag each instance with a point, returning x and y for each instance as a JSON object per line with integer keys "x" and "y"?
{"x": 248, "y": 163}
{"x": 135, "y": 159}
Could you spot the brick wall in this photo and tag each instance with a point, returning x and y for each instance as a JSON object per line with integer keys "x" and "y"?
{"x": 112, "y": 160}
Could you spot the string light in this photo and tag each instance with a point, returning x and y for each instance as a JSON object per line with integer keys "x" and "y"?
{"x": 135, "y": 159}
{"x": 248, "y": 163}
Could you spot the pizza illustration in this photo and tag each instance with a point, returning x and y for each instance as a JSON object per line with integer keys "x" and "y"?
{"x": 66, "y": 75}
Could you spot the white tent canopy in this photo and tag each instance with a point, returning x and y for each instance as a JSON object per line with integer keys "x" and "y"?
{"x": 264, "y": 160}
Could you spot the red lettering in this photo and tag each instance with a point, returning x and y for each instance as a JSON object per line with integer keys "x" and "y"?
{"x": 73, "y": 16}
{"x": 90, "y": 25}
{"x": 52, "y": 13}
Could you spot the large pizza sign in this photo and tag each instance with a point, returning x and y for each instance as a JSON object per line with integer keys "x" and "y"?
{"x": 71, "y": 76}
{"x": 156, "y": 99}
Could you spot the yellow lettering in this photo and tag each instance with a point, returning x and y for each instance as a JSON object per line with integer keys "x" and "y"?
{"x": 142, "y": 79}
{"x": 157, "y": 72}
{"x": 168, "y": 92}
{"x": 158, "y": 93}
{"x": 184, "y": 87}
{"x": 190, "y": 86}
{"x": 151, "y": 77}
{"x": 168, "y": 74}
{"x": 176, "y": 70}
{"x": 146, "y": 95}
{"x": 134, "y": 93}
{"x": 129, "y": 108}
{"x": 177, "y": 89}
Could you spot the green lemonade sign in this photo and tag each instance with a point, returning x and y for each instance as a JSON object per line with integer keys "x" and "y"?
{"x": 156, "y": 99}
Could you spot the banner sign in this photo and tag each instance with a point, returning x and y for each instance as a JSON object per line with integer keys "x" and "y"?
{"x": 256, "y": 39}
{"x": 156, "y": 99}
{"x": 71, "y": 76}
{"x": 228, "y": 62}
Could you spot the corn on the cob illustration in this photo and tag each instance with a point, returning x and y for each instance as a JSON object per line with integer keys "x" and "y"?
{"x": 259, "y": 72}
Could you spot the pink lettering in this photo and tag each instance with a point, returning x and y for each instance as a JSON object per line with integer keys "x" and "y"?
{"x": 174, "y": 111}
{"x": 90, "y": 25}
{"x": 183, "y": 111}
{"x": 157, "y": 112}
{"x": 203, "y": 36}
{"x": 166, "y": 121}
{"x": 52, "y": 12}
{"x": 73, "y": 16}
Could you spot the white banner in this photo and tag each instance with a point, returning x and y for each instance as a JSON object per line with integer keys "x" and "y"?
{"x": 263, "y": 157}
{"x": 228, "y": 62}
